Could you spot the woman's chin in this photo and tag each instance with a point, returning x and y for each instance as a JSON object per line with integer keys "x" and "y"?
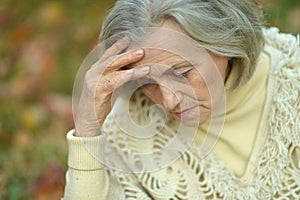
{"x": 194, "y": 121}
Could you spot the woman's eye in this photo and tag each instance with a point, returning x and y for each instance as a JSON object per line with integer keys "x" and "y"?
{"x": 182, "y": 75}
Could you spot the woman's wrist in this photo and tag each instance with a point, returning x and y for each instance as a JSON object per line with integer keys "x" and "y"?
{"x": 86, "y": 133}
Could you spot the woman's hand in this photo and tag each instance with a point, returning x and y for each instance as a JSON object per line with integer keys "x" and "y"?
{"x": 101, "y": 80}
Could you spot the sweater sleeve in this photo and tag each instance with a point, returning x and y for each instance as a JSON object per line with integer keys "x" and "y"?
{"x": 86, "y": 177}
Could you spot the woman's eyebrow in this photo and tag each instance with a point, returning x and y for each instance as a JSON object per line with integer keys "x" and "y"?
{"x": 179, "y": 64}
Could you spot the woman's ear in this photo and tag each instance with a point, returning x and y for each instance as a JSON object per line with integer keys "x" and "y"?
{"x": 229, "y": 68}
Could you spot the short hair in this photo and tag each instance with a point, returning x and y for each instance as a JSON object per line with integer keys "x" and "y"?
{"x": 230, "y": 28}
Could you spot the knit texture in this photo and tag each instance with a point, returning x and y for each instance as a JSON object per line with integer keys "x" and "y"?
{"x": 273, "y": 172}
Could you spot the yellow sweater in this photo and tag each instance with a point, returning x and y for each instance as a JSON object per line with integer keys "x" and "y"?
{"x": 244, "y": 107}
{"x": 257, "y": 156}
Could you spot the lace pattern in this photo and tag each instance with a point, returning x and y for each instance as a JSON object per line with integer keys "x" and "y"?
{"x": 276, "y": 174}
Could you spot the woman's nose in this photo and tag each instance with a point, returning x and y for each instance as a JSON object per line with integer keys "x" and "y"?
{"x": 170, "y": 99}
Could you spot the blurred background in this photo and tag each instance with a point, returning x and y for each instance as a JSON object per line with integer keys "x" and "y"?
{"x": 42, "y": 44}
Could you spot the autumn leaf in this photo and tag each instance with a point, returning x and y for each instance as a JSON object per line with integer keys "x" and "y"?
{"x": 50, "y": 185}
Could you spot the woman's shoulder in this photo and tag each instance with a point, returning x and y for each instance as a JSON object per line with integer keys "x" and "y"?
{"x": 283, "y": 48}
{"x": 285, "y": 42}
{"x": 284, "y": 52}
{"x": 283, "y": 91}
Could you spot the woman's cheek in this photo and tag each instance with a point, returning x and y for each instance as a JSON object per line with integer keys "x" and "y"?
{"x": 153, "y": 93}
{"x": 200, "y": 88}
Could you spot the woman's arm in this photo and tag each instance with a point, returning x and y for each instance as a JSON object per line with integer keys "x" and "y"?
{"x": 86, "y": 177}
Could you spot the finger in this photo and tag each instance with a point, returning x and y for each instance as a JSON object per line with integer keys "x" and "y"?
{"x": 116, "y": 48}
{"x": 117, "y": 62}
{"x": 118, "y": 78}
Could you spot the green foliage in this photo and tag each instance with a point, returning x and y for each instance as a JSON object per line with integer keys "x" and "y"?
{"x": 283, "y": 14}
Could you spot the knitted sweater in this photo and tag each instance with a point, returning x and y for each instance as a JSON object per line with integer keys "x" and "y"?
{"x": 272, "y": 171}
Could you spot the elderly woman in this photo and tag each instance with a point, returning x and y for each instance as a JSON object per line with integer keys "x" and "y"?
{"x": 188, "y": 99}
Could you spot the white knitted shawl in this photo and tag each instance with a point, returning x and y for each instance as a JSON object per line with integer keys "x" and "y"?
{"x": 273, "y": 171}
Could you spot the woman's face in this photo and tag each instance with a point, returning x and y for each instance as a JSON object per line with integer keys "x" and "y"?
{"x": 178, "y": 86}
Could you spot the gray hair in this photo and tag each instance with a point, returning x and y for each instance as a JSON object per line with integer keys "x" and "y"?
{"x": 230, "y": 28}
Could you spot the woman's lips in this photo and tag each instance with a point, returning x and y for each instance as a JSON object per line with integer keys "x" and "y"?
{"x": 185, "y": 113}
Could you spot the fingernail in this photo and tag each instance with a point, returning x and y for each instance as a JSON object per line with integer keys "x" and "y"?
{"x": 139, "y": 52}
{"x": 145, "y": 69}
{"x": 129, "y": 72}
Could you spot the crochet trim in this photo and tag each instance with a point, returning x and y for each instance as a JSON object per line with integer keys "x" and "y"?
{"x": 274, "y": 175}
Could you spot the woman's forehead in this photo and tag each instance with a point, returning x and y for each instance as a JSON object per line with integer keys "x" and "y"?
{"x": 159, "y": 57}
{"x": 168, "y": 47}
